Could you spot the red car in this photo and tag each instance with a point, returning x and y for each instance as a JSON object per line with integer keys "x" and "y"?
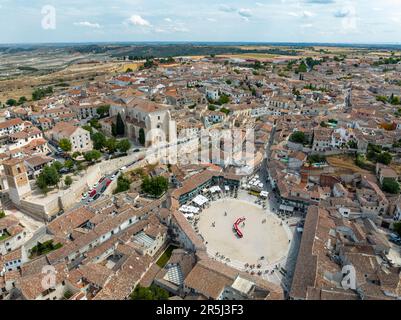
{"x": 92, "y": 193}
{"x": 101, "y": 179}
{"x": 108, "y": 182}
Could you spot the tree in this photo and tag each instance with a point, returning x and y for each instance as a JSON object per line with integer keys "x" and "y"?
{"x": 298, "y": 137}
{"x": 155, "y": 186}
{"x": 68, "y": 181}
{"x": 22, "y": 100}
{"x": 99, "y": 140}
{"x": 352, "y": 144}
{"x": 57, "y": 165}
{"x": 394, "y": 100}
{"x": 113, "y": 129}
{"x": 323, "y": 124}
{"x": 88, "y": 128}
{"x": 51, "y": 174}
{"x": 384, "y": 158}
{"x": 120, "y": 127}
{"x": 124, "y": 145}
{"x": 390, "y": 185}
{"x": 40, "y": 93}
{"x": 397, "y": 228}
{"x": 65, "y": 144}
{"x": 76, "y": 154}
{"x": 103, "y": 111}
{"x": 129, "y": 70}
{"x": 42, "y": 184}
{"x": 302, "y": 67}
{"x": 142, "y": 293}
{"x": 224, "y": 99}
{"x": 382, "y": 99}
{"x": 2, "y": 214}
{"x": 92, "y": 155}
{"x": 149, "y": 63}
{"x": 69, "y": 164}
{"x": 123, "y": 184}
{"x": 48, "y": 177}
{"x": 11, "y": 102}
{"x": 95, "y": 123}
{"x": 111, "y": 145}
{"x": 142, "y": 138}
{"x": 316, "y": 158}
{"x": 151, "y": 293}
{"x": 225, "y": 111}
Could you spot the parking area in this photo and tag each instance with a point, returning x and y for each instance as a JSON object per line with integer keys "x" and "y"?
{"x": 96, "y": 191}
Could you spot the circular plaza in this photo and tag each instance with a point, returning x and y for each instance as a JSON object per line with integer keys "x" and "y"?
{"x": 243, "y": 234}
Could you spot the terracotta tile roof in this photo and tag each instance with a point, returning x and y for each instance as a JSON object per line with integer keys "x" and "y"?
{"x": 123, "y": 282}
{"x": 62, "y": 226}
{"x": 31, "y": 286}
{"x": 10, "y": 123}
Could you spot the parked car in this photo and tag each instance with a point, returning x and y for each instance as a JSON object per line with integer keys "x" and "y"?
{"x": 101, "y": 179}
{"x": 137, "y": 150}
{"x": 92, "y": 193}
{"x": 113, "y": 177}
{"x": 123, "y": 168}
{"x": 64, "y": 170}
{"x": 395, "y": 238}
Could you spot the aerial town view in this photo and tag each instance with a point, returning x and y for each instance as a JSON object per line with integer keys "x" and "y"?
{"x": 171, "y": 160}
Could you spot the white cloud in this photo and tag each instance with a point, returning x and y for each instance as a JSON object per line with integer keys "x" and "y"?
{"x": 160, "y": 30}
{"x": 245, "y": 12}
{"x": 342, "y": 13}
{"x": 348, "y": 18}
{"x": 171, "y": 26}
{"x": 137, "y": 20}
{"x": 226, "y": 8}
{"x": 259, "y": 4}
{"x": 87, "y": 24}
{"x": 303, "y": 14}
{"x": 180, "y": 29}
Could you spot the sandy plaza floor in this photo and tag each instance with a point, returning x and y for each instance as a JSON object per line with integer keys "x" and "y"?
{"x": 267, "y": 239}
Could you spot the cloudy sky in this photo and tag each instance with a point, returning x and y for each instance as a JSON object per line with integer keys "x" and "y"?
{"x": 345, "y": 21}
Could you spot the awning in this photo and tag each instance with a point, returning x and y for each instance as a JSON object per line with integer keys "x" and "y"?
{"x": 215, "y": 189}
{"x": 200, "y": 200}
{"x": 189, "y": 209}
{"x": 286, "y": 208}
